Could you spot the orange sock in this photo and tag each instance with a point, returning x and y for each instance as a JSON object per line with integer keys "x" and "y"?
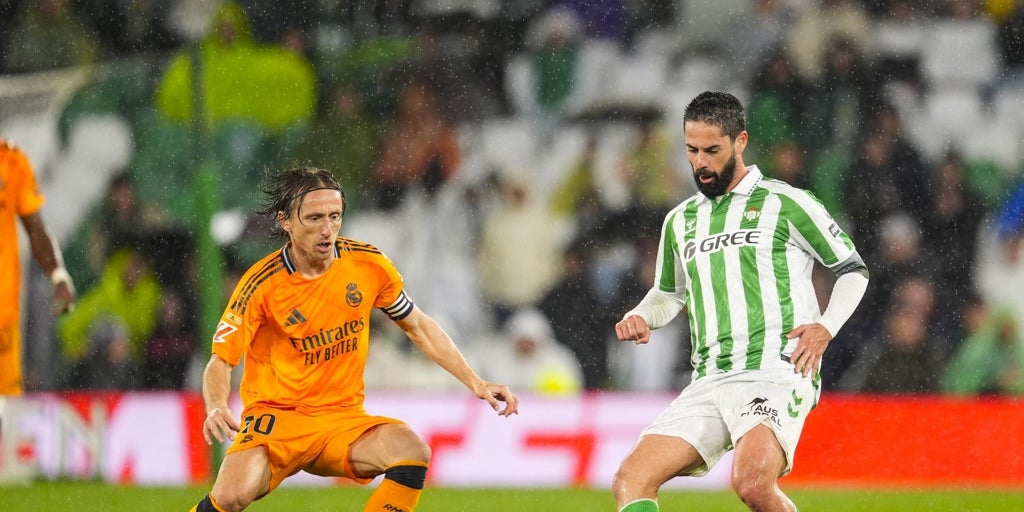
{"x": 400, "y": 490}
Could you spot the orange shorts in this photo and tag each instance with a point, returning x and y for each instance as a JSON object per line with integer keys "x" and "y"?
{"x": 295, "y": 440}
{"x": 10, "y": 360}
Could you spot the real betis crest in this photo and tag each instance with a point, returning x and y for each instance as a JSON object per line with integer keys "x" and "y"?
{"x": 752, "y": 213}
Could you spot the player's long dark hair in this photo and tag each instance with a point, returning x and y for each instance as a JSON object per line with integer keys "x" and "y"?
{"x": 284, "y": 189}
{"x": 719, "y": 109}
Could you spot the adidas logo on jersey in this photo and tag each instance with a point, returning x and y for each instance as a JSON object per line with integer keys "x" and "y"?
{"x": 295, "y": 318}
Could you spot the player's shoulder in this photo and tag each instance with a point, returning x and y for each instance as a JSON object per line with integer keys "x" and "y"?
{"x": 783, "y": 188}
{"x": 270, "y": 265}
{"x": 352, "y": 247}
{"x": 254, "y": 281}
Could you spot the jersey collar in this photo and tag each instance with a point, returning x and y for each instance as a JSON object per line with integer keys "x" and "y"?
{"x": 289, "y": 265}
{"x": 747, "y": 184}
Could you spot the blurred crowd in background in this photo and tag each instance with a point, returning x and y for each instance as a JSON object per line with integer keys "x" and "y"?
{"x": 516, "y": 160}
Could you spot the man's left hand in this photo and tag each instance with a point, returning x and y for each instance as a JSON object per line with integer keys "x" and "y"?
{"x": 812, "y": 339}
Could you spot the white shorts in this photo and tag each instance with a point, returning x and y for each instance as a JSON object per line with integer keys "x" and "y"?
{"x": 714, "y": 412}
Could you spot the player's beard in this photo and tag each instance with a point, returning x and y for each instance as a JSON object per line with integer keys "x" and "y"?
{"x": 721, "y": 181}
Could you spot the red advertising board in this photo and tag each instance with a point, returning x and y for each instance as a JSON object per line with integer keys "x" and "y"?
{"x": 850, "y": 440}
{"x": 862, "y": 440}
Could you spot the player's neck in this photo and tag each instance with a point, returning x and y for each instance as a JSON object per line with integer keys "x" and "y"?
{"x": 308, "y": 264}
{"x": 741, "y": 172}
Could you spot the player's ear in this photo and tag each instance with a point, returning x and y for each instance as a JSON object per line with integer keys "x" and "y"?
{"x": 741, "y": 142}
{"x": 282, "y": 220}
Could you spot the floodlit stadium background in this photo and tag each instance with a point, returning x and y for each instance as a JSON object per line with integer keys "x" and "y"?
{"x": 82, "y": 124}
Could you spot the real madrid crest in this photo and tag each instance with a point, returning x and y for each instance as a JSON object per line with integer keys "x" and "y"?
{"x": 353, "y": 297}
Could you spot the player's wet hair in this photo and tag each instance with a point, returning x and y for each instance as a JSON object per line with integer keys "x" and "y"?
{"x": 284, "y": 189}
{"x": 719, "y": 109}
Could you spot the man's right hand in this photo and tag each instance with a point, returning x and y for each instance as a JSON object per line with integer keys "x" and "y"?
{"x": 220, "y": 424}
{"x": 633, "y": 328}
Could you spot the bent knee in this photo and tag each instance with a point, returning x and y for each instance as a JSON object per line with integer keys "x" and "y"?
{"x": 755, "y": 490}
{"x": 423, "y": 452}
{"x": 413, "y": 448}
{"x": 628, "y": 482}
{"x": 417, "y": 451}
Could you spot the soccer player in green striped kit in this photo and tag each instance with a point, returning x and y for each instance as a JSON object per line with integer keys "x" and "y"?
{"x": 738, "y": 257}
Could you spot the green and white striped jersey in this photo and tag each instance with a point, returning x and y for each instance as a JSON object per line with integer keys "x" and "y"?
{"x": 742, "y": 265}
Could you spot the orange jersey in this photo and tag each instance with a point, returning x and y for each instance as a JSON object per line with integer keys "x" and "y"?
{"x": 19, "y": 196}
{"x": 305, "y": 341}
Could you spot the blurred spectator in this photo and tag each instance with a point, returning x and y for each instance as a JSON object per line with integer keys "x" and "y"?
{"x": 169, "y": 350}
{"x": 242, "y": 80}
{"x": 910, "y": 173}
{"x": 919, "y": 293}
{"x": 878, "y": 184}
{"x": 778, "y": 105}
{"x": 787, "y": 162}
{"x": 542, "y": 79}
{"x": 901, "y": 255}
{"x": 817, "y": 23}
{"x": 905, "y": 360}
{"x": 649, "y": 170}
{"x": 48, "y": 35}
{"x": 885, "y": 165}
{"x": 127, "y": 292}
{"x": 951, "y": 232}
{"x": 420, "y": 148}
{"x": 990, "y": 360}
{"x": 108, "y": 365}
{"x": 122, "y": 220}
{"x": 845, "y": 95}
{"x": 519, "y": 248}
{"x": 577, "y": 318}
{"x": 527, "y": 356}
{"x": 576, "y": 195}
{"x": 344, "y": 138}
{"x": 1000, "y": 269}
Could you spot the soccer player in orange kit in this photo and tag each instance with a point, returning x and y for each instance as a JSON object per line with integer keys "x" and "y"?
{"x": 20, "y": 199}
{"x": 300, "y": 317}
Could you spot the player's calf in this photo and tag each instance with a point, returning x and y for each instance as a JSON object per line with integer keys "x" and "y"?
{"x": 401, "y": 488}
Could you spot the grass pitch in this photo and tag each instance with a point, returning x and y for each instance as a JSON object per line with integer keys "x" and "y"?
{"x": 100, "y": 497}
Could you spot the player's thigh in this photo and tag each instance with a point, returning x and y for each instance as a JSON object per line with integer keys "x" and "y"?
{"x": 776, "y": 401}
{"x": 656, "y": 458}
{"x": 759, "y": 456}
{"x": 361, "y": 447}
{"x": 384, "y": 446}
{"x": 244, "y": 473}
{"x": 694, "y": 419}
